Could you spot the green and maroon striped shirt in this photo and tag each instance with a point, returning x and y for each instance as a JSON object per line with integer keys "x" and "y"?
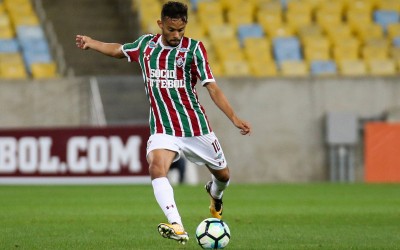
{"x": 170, "y": 75}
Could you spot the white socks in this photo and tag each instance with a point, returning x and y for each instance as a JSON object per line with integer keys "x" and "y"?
{"x": 165, "y": 197}
{"x": 218, "y": 187}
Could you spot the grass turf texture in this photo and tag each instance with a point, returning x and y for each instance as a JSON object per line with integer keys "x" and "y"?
{"x": 282, "y": 216}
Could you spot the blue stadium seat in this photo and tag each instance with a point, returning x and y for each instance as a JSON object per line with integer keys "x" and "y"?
{"x": 249, "y": 30}
{"x": 30, "y": 32}
{"x": 396, "y": 41}
{"x": 386, "y": 17}
{"x": 37, "y": 45}
{"x": 9, "y": 46}
{"x": 287, "y": 49}
{"x": 323, "y": 67}
{"x": 31, "y": 57}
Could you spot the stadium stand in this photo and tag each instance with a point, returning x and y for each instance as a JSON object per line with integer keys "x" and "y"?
{"x": 316, "y": 36}
{"x": 22, "y": 42}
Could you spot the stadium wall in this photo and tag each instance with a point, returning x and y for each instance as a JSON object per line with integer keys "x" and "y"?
{"x": 287, "y": 144}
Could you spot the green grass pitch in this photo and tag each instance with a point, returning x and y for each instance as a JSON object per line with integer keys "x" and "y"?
{"x": 265, "y": 216}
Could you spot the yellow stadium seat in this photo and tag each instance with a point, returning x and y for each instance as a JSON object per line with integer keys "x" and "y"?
{"x": 366, "y": 32}
{"x": 395, "y": 53}
{"x": 374, "y": 52}
{"x": 12, "y": 71}
{"x": 209, "y": 6}
{"x": 381, "y": 67}
{"x": 217, "y": 32}
{"x": 195, "y": 30}
{"x": 311, "y": 30}
{"x": 319, "y": 42}
{"x": 31, "y": 19}
{"x": 244, "y": 6}
{"x": 208, "y": 20}
{"x": 339, "y": 32}
{"x": 279, "y": 31}
{"x": 313, "y": 3}
{"x": 328, "y": 19}
{"x": 336, "y": 7}
{"x": 345, "y": 52}
{"x": 352, "y": 68}
{"x": 269, "y": 19}
{"x": 360, "y": 6}
{"x": 311, "y": 54}
{"x": 263, "y": 69}
{"x": 6, "y": 32}
{"x": 257, "y": 49}
{"x": 393, "y": 30}
{"x": 44, "y": 70}
{"x": 270, "y": 6}
{"x": 356, "y": 18}
{"x": 236, "y": 68}
{"x": 237, "y": 18}
{"x": 299, "y": 7}
{"x": 297, "y": 20}
{"x": 389, "y": 5}
{"x": 294, "y": 68}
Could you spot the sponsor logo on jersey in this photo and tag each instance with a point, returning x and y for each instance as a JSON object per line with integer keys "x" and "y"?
{"x": 164, "y": 78}
{"x": 183, "y": 49}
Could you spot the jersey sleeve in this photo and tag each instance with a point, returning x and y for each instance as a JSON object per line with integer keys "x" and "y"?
{"x": 202, "y": 67}
{"x": 132, "y": 50}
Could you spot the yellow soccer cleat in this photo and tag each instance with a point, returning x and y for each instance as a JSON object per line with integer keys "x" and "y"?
{"x": 173, "y": 231}
{"x": 216, "y": 204}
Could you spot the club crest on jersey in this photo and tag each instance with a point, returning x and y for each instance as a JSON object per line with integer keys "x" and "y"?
{"x": 152, "y": 44}
{"x": 180, "y": 61}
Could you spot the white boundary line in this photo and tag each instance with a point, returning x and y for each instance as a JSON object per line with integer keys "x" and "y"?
{"x": 73, "y": 180}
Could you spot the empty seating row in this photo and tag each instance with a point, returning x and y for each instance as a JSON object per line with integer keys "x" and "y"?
{"x": 24, "y": 51}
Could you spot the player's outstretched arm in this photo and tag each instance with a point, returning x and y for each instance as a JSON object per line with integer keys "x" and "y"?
{"x": 109, "y": 49}
{"x": 222, "y": 103}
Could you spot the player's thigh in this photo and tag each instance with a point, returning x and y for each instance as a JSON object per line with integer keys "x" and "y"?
{"x": 205, "y": 150}
{"x": 162, "y": 142}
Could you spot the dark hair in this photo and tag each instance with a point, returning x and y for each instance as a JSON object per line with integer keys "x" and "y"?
{"x": 174, "y": 10}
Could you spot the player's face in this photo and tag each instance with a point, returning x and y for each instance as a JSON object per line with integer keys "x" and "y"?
{"x": 172, "y": 31}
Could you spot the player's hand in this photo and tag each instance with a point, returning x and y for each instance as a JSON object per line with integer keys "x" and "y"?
{"x": 245, "y": 127}
{"x": 82, "y": 41}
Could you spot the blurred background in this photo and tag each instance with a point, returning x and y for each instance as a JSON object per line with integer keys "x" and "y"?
{"x": 318, "y": 80}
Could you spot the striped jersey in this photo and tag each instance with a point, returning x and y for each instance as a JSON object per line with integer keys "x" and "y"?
{"x": 170, "y": 75}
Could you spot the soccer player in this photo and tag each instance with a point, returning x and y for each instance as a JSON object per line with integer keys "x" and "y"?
{"x": 171, "y": 65}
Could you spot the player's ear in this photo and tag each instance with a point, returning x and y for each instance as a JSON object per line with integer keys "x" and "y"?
{"x": 160, "y": 24}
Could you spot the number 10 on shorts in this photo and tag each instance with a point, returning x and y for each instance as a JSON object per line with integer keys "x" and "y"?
{"x": 216, "y": 146}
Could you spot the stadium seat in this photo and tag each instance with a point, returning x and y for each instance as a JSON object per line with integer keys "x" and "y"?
{"x": 250, "y": 30}
{"x": 11, "y": 70}
{"x": 336, "y": 7}
{"x": 393, "y": 30}
{"x": 296, "y": 19}
{"x": 263, "y": 69}
{"x": 395, "y": 53}
{"x": 374, "y": 52}
{"x": 311, "y": 30}
{"x": 44, "y": 70}
{"x": 26, "y": 32}
{"x": 352, "y": 68}
{"x": 282, "y": 30}
{"x": 256, "y": 49}
{"x": 237, "y": 17}
{"x": 31, "y": 57}
{"x": 366, "y": 32}
{"x": 396, "y": 41}
{"x": 323, "y": 67}
{"x": 381, "y": 67}
{"x": 327, "y": 19}
{"x": 217, "y": 32}
{"x": 294, "y": 69}
{"x": 269, "y": 19}
{"x": 286, "y": 49}
{"x": 9, "y": 46}
{"x": 360, "y": 6}
{"x": 386, "y": 17}
{"x": 392, "y": 5}
{"x": 355, "y": 19}
{"x": 338, "y": 32}
{"x": 299, "y": 7}
{"x": 236, "y": 68}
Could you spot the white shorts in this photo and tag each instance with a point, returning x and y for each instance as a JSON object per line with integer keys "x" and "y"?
{"x": 204, "y": 149}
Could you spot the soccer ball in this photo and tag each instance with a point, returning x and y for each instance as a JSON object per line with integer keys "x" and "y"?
{"x": 213, "y": 233}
